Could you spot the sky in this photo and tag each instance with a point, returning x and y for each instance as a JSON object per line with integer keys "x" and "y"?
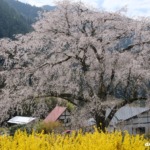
{"x": 134, "y": 7}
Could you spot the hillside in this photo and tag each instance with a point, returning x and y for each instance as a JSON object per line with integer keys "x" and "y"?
{"x": 30, "y": 13}
{"x": 11, "y": 22}
{"x": 48, "y": 8}
{"x": 16, "y": 17}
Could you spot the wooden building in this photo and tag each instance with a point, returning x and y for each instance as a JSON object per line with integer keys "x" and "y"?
{"x": 60, "y": 114}
{"x": 134, "y": 119}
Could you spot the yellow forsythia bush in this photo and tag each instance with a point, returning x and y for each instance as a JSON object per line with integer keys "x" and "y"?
{"x": 80, "y": 141}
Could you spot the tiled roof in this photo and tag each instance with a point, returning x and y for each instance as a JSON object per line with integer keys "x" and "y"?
{"x": 55, "y": 114}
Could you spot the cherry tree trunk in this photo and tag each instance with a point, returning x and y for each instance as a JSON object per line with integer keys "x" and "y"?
{"x": 101, "y": 123}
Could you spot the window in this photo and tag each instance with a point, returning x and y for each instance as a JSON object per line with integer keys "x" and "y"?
{"x": 67, "y": 120}
{"x": 140, "y": 130}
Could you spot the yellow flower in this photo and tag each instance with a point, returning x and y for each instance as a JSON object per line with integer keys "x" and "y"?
{"x": 79, "y": 141}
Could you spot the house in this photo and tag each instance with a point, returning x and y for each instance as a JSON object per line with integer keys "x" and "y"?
{"x": 134, "y": 119}
{"x": 20, "y": 120}
{"x": 59, "y": 114}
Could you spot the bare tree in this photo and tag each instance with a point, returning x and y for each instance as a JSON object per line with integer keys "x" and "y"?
{"x": 78, "y": 54}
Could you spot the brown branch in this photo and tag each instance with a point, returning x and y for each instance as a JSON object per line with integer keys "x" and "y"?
{"x": 68, "y": 24}
{"x": 67, "y": 96}
{"x": 128, "y": 82}
{"x": 102, "y": 92}
{"x": 93, "y": 31}
{"x": 111, "y": 80}
{"x": 83, "y": 29}
{"x": 96, "y": 53}
{"x": 113, "y": 111}
{"x": 69, "y": 57}
{"x": 45, "y": 64}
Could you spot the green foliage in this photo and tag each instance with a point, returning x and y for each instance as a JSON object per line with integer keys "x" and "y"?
{"x": 67, "y": 104}
{"x": 30, "y": 13}
{"x": 27, "y": 127}
{"x": 14, "y": 128}
{"x": 11, "y": 22}
{"x": 3, "y": 131}
{"x": 51, "y": 102}
{"x": 47, "y": 127}
{"x": 16, "y": 17}
{"x": 70, "y": 106}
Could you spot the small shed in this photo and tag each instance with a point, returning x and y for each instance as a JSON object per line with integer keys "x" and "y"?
{"x": 59, "y": 114}
{"x": 20, "y": 120}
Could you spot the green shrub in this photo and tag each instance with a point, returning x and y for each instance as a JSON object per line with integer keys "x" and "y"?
{"x": 14, "y": 128}
{"x": 4, "y": 131}
{"x": 28, "y": 128}
{"x": 47, "y": 127}
{"x": 70, "y": 106}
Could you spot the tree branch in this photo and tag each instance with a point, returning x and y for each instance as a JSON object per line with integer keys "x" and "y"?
{"x": 96, "y": 53}
{"x": 67, "y": 96}
{"x": 59, "y": 62}
{"x": 45, "y": 64}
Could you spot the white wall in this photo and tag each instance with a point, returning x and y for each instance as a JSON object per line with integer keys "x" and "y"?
{"x": 131, "y": 125}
